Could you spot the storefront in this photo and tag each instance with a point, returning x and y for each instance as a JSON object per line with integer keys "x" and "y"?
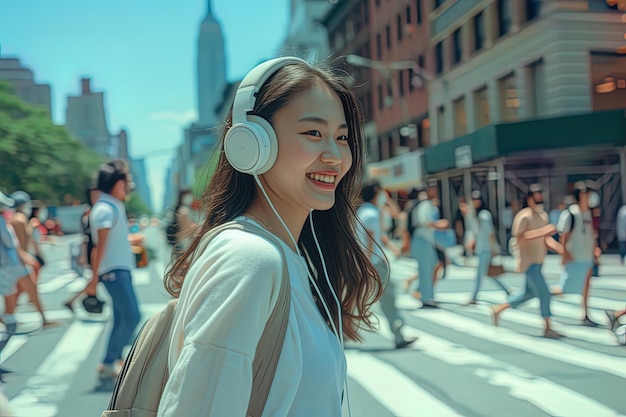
{"x": 502, "y": 160}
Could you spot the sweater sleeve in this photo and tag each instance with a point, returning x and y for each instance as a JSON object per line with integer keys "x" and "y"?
{"x": 225, "y": 303}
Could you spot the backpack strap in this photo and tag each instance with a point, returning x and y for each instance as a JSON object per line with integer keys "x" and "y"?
{"x": 271, "y": 343}
{"x": 116, "y": 216}
{"x": 572, "y": 220}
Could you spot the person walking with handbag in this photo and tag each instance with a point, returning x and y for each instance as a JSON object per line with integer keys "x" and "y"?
{"x": 113, "y": 260}
{"x": 485, "y": 244}
{"x": 291, "y": 160}
{"x": 534, "y": 237}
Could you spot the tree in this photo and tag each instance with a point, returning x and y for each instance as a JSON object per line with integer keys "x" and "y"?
{"x": 136, "y": 207}
{"x": 38, "y": 156}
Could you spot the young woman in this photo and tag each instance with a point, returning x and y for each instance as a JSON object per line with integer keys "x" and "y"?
{"x": 228, "y": 292}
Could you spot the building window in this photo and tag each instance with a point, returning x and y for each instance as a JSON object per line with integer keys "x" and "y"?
{"x": 441, "y": 123}
{"x": 457, "y": 46}
{"x": 420, "y": 62}
{"x": 400, "y": 28}
{"x": 481, "y": 108}
{"x": 504, "y": 17}
{"x": 411, "y": 77}
{"x": 608, "y": 80}
{"x": 532, "y": 9}
{"x": 381, "y": 97}
{"x": 509, "y": 100}
{"x": 418, "y": 6}
{"x": 379, "y": 46}
{"x": 408, "y": 14}
{"x": 460, "y": 117}
{"x": 439, "y": 57}
{"x": 388, "y": 33}
{"x": 479, "y": 31}
{"x": 537, "y": 88}
{"x": 401, "y": 82}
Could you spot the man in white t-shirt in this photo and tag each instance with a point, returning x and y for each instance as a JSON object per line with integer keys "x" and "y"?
{"x": 575, "y": 226}
{"x": 370, "y": 235}
{"x": 113, "y": 260}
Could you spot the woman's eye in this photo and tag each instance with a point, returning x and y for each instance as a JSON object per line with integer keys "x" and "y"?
{"x": 313, "y": 133}
{"x": 343, "y": 138}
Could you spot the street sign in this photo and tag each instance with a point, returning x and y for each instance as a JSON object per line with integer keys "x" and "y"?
{"x": 463, "y": 157}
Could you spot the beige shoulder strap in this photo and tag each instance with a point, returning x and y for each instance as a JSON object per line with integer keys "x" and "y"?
{"x": 271, "y": 342}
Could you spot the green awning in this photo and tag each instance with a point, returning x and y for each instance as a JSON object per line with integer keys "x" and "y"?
{"x": 591, "y": 129}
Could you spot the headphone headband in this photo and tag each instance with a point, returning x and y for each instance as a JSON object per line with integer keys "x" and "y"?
{"x": 245, "y": 97}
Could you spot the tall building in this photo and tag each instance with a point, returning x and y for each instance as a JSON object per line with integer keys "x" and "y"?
{"x": 85, "y": 119}
{"x": 211, "y": 68}
{"x": 23, "y": 82}
{"x": 385, "y": 46}
{"x": 306, "y": 36}
{"x": 523, "y": 92}
{"x": 140, "y": 178}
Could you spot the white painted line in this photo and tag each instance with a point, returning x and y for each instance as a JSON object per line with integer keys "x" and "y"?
{"x": 141, "y": 277}
{"x": 552, "y": 398}
{"x": 13, "y": 345}
{"x": 52, "y": 379}
{"x": 57, "y": 283}
{"x": 599, "y": 336}
{"x": 550, "y": 349}
{"x": 394, "y": 390}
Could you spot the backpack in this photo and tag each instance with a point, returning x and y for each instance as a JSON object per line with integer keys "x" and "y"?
{"x": 140, "y": 384}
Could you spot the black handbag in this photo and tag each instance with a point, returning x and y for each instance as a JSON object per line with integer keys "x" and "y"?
{"x": 92, "y": 304}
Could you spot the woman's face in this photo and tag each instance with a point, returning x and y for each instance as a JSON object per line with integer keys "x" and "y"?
{"x": 313, "y": 150}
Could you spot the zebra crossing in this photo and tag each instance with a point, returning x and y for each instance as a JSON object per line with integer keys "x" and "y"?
{"x": 461, "y": 365}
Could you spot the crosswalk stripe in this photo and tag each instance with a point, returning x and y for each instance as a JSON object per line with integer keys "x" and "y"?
{"x": 541, "y": 347}
{"x": 50, "y": 382}
{"x": 394, "y": 390}
{"x": 546, "y": 395}
{"x": 13, "y": 345}
{"x": 599, "y": 336}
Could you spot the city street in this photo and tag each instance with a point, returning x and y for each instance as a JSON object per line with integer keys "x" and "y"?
{"x": 461, "y": 364}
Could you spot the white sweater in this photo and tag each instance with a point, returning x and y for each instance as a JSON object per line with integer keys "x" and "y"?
{"x": 225, "y": 302}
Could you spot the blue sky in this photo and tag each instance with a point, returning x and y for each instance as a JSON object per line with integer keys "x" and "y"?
{"x": 141, "y": 53}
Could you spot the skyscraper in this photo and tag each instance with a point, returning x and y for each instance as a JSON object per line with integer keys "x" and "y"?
{"x": 211, "y": 68}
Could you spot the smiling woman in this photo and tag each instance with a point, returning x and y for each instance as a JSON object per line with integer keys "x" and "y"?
{"x": 292, "y": 155}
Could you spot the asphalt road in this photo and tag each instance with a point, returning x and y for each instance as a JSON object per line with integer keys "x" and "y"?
{"x": 460, "y": 366}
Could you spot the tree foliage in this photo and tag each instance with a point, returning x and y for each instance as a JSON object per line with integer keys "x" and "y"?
{"x": 40, "y": 157}
{"x": 136, "y": 207}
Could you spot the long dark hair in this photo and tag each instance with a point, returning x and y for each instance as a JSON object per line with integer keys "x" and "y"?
{"x": 230, "y": 193}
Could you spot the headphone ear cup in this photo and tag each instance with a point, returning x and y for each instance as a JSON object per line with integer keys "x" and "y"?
{"x": 268, "y": 144}
{"x": 251, "y": 147}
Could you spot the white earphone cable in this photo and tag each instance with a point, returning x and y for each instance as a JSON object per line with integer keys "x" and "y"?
{"x": 341, "y": 341}
{"x": 339, "y": 333}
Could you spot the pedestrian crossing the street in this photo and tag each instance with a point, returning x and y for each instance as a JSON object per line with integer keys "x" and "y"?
{"x": 461, "y": 364}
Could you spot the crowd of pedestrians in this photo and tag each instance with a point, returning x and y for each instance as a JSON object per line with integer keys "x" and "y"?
{"x": 570, "y": 230}
{"x": 106, "y": 250}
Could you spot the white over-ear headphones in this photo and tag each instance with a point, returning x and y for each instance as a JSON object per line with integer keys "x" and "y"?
{"x": 250, "y": 144}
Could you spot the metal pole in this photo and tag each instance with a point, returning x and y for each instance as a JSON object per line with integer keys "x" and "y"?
{"x": 501, "y": 202}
